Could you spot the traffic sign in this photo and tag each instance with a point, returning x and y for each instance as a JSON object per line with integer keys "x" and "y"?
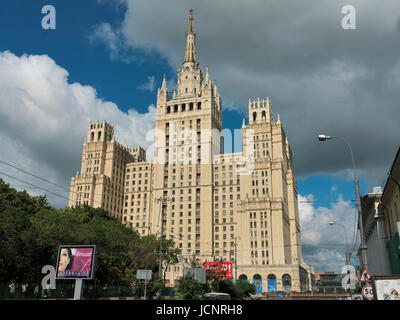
{"x": 368, "y": 292}
{"x": 365, "y": 276}
{"x": 143, "y": 274}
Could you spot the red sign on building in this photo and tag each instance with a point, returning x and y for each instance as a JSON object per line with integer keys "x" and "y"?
{"x": 221, "y": 269}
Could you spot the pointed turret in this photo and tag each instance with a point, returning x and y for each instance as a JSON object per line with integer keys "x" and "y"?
{"x": 215, "y": 89}
{"x": 163, "y": 94}
{"x": 207, "y": 80}
{"x": 164, "y": 83}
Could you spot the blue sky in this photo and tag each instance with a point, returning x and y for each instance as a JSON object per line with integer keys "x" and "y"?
{"x": 146, "y": 40}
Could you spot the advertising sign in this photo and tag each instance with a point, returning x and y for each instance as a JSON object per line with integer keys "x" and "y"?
{"x": 271, "y": 285}
{"x": 258, "y": 285}
{"x": 222, "y": 269}
{"x": 387, "y": 287}
{"x": 143, "y": 274}
{"x": 76, "y": 262}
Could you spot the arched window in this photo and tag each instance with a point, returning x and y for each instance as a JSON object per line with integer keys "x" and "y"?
{"x": 263, "y": 115}
{"x": 183, "y": 107}
{"x": 243, "y": 278}
{"x": 99, "y": 135}
{"x": 176, "y": 108}
{"x": 256, "y": 277}
{"x": 92, "y": 136}
{"x": 168, "y": 109}
{"x": 286, "y": 281}
{"x": 271, "y": 277}
{"x": 254, "y": 116}
{"x": 199, "y": 105}
{"x": 190, "y": 106}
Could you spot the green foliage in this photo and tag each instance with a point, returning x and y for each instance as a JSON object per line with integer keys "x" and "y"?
{"x": 11, "y": 198}
{"x": 238, "y": 290}
{"x": 31, "y": 232}
{"x": 245, "y": 289}
{"x": 190, "y": 289}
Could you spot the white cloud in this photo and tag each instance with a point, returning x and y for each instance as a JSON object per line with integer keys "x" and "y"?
{"x": 319, "y": 77}
{"x": 113, "y": 40}
{"x": 319, "y": 238}
{"x": 149, "y": 85}
{"x": 44, "y": 118}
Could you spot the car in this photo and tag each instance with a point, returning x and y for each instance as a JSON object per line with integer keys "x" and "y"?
{"x": 217, "y": 296}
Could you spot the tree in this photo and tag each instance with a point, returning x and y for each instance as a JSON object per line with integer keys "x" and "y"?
{"x": 31, "y": 232}
{"x": 245, "y": 289}
{"x": 237, "y": 290}
{"x": 190, "y": 289}
{"x": 11, "y": 198}
{"x": 170, "y": 254}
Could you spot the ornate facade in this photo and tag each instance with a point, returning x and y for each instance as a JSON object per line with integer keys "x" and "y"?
{"x": 239, "y": 207}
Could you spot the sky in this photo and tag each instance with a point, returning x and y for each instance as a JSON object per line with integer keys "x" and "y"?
{"x": 105, "y": 60}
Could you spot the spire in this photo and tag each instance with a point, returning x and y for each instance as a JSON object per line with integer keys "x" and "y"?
{"x": 190, "y": 55}
{"x": 163, "y": 93}
{"x": 207, "y": 76}
{"x": 279, "y": 119}
{"x": 174, "y": 94}
{"x": 191, "y": 21}
{"x": 215, "y": 88}
{"x": 268, "y": 102}
{"x": 164, "y": 83}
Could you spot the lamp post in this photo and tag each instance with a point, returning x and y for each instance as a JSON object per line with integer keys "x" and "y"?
{"x": 348, "y": 253}
{"x": 363, "y": 247}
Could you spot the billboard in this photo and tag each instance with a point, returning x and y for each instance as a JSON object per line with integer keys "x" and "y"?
{"x": 222, "y": 269}
{"x": 271, "y": 285}
{"x": 386, "y": 287}
{"x": 258, "y": 285}
{"x": 76, "y": 262}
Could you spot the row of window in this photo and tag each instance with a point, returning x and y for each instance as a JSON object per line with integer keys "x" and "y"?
{"x": 253, "y": 224}
{"x": 133, "y": 182}
{"x": 183, "y": 107}
{"x": 80, "y": 188}
{"x": 254, "y": 254}
{"x": 133, "y": 169}
{"x": 253, "y": 244}
{"x": 139, "y": 189}
{"x": 253, "y": 234}
{"x": 224, "y": 244}
{"x": 253, "y": 215}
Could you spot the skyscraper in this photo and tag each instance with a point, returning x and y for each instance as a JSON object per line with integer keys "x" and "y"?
{"x": 239, "y": 207}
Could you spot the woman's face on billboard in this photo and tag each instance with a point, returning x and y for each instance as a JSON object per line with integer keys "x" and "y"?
{"x": 64, "y": 260}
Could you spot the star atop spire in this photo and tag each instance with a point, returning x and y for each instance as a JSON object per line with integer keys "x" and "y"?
{"x": 191, "y": 21}
{"x": 190, "y": 55}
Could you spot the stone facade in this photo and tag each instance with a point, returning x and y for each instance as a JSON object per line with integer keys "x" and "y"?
{"x": 239, "y": 207}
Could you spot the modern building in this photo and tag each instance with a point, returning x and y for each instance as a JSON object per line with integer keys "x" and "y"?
{"x": 239, "y": 207}
{"x": 375, "y": 232}
{"x": 329, "y": 282}
{"x": 381, "y": 219}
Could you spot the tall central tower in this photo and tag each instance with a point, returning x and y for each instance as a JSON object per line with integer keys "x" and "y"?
{"x": 187, "y": 138}
{"x": 238, "y": 207}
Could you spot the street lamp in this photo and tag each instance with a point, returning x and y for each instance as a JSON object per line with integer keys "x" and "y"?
{"x": 348, "y": 253}
{"x": 363, "y": 247}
